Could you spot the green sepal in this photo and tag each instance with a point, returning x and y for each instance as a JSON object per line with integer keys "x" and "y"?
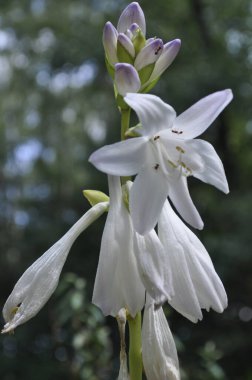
{"x": 95, "y": 196}
{"x": 149, "y": 86}
{"x": 125, "y": 195}
{"x": 138, "y": 41}
{"x": 123, "y": 55}
{"x": 110, "y": 68}
{"x": 145, "y": 73}
{"x": 133, "y": 131}
{"x": 121, "y": 103}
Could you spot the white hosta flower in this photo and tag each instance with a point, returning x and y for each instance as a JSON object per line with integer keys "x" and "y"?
{"x": 154, "y": 266}
{"x": 165, "y": 155}
{"x": 117, "y": 282}
{"x": 160, "y": 358}
{"x": 129, "y": 264}
{"x": 40, "y": 280}
{"x": 195, "y": 282}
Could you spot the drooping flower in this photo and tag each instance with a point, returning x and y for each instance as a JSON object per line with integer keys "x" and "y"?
{"x": 129, "y": 264}
{"x": 117, "y": 283}
{"x": 40, "y": 280}
{"x": 195, "y": 282}
{"x": 127, "y": 44}
{"x": 159, "y": 352}
{"x": 165, "y": 155}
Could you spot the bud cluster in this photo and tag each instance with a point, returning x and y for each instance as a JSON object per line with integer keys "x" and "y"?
{"x": 134, "y": 62}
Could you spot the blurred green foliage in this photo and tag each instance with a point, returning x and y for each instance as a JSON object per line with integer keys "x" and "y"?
{"x": 56, "y": 107}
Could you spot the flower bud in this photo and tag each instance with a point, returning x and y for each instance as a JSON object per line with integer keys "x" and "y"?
{"x": 110, "y": 35}
{"x": 40, "y": 280}
{"x": 132, "y": 14}
{"x": 126, "y": 78}
{"x": 149, "y": 54}
{"x": 159, "y": 351}
{"x": 170, "y": 50}
{"x": 125, "y": 49}
{"x": 95, "y": 196}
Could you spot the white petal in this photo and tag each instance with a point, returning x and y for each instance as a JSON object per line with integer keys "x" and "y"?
{"x": 126, "y": 78}
{"x": 194, "y": 121}
{"x": 168, "y": 55}
{"x": 39, "y": 281}
{"x": 196, "y": 284}
{"x": 122, "y": 159}
{"x": 117, "y": 283}
{"x": 147, "y": 197}
{"x": 153, "y": 266}
{"x": 181, "y": 199}
{"x": 160, "y": 358}
{"x": 212, "y": 171}
{"x": 132, "y": 14}
{"x": 153, "y": 113}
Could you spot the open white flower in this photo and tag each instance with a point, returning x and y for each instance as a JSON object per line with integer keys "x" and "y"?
{"x": 160, "y": 358}
{"x": 196, "y": 284}
{"x": 40, "y": 280}
{"x": 165, "y": 155}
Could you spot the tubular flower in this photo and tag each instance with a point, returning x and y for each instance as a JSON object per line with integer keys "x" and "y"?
{"x": 117, "y": 283}
{"x": 164, "y": 156}
{"x": 129, "y": 264}
{"x": 127, "y": 44}
{"x": 40, "y": 280}
{"x": 196, "y": 284}
{"x": 160, "y": 358}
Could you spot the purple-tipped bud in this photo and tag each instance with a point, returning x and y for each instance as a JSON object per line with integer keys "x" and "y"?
{"x": 149, "y": 54}
{"x": 129, "y": 34}
{"x": 150, "y": 40}
{"x": 127, "y": 44}
{"x": 168, "y": 55}
{"x": 132, "y": 14}
{"x": 110, "y": 35}
{"x": 134, "y": 28}
{"x": 126, "y": 78}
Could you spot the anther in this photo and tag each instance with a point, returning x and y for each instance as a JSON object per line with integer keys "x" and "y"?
{"x": 179, "y": 149}
{"x": 156, "y": 138}
{"x": 177, "y": 132}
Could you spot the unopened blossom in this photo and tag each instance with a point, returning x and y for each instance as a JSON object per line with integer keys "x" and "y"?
{"x": 40, "y": 280}
{"x": 159, "y": 352}
{"x": 165, "y": 155}
{"x": 121, "y": 320}
{"x": 126, "y": 78}
{"x": 127, "y": 44}
{"x": 195, "y": 282}
{"x": 129, "y": 264}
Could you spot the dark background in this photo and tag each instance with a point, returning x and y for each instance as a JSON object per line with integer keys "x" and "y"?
{"x": 56, "y": 107}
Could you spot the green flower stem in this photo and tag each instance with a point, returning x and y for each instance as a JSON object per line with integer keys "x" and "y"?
{"x": 135, "y": 347}
{"x": 125, "y": 121}
{"x": 135, "y": 338}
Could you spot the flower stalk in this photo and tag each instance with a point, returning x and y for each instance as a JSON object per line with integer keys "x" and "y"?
{"x": 135, "y": 347}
